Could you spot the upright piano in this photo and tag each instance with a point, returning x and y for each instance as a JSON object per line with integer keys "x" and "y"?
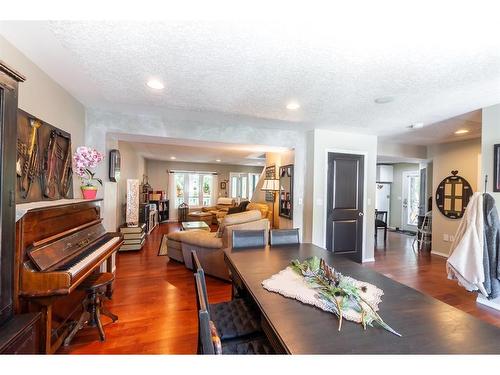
{"x": 57, "y": 247}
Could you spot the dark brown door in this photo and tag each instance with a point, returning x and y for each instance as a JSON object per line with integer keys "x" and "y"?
{"x": 344, "y": 222}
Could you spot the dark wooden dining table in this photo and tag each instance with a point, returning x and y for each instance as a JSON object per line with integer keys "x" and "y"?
{"x": 427, "y": 326}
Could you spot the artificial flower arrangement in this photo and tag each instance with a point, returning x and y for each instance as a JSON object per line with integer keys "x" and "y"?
{"x": 338, "y": 292}
{"x": 85, "y": 160}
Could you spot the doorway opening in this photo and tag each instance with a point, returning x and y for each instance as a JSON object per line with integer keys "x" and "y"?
{"x": 410, "y": 204}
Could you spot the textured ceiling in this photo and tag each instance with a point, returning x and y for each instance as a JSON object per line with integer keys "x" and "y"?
{"x": 435, "y": 68}
{"x": 442, "y": 131}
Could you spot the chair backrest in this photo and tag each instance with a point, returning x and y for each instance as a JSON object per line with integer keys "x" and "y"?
{"x": 195, "y": 261}
{"x": 201, "y": 286}
{"x": 205, "y": 344}
{"x": 248, "y": 238}
{"x": 381, "y": 215}
{"x": 284, "y": 237}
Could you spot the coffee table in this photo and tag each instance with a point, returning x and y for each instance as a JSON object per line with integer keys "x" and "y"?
{"x": 191, "y": 225}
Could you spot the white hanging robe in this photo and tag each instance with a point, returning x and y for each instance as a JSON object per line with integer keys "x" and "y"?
{"x": 465, "y": 262}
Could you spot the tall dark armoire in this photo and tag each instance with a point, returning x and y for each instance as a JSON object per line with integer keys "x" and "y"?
{"x": 18, "y": 333}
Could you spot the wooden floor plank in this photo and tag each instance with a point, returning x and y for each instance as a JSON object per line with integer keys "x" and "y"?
{"x": 155, "y": 299}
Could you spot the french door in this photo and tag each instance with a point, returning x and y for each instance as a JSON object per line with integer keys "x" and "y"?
{"x": 242, "y": 185}
{"x": 411, "y": 200}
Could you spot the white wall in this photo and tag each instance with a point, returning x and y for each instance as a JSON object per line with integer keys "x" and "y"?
{"x": 462, "y": 156}
{"x": 401, "y": 151}
{"x": 328, "y": 141}
{"x": 132, "y": 167}
{"x": 490, "y": 137}
{"x": 157, "y": 171}
{"x": 42, "y": 97}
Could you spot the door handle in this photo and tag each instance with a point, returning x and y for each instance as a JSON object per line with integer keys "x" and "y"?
{"x": 361, "y": 214}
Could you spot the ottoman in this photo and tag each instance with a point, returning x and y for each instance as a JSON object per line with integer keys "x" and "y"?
{"x": 200, "y": 216}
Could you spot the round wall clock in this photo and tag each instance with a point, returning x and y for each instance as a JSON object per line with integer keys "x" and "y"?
{"x": 453, "y": 195}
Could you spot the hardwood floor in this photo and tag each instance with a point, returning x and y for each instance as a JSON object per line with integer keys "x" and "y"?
{"x": 427, "y": 274}
{"x": 154, "y": 298}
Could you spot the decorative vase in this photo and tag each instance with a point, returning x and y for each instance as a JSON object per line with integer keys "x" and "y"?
{"x": 89, "y": 192}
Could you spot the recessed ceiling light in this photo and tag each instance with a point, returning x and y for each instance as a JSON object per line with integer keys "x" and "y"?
{"x": 461, "y": 131}
{"x": 293, "y": 106}
{"x": 218, "y": 160}
{"x": 173, "y": 158}
{"x": 155, "y": 84}
{"x": 384, "y": 99}
{"x": 417, "y": 125}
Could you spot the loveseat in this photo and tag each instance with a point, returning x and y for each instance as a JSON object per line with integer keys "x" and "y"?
{"x": 210, "y": 246}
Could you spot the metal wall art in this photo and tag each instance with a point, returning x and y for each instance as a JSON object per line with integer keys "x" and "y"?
{"x": 44, "y": 164}
{"x": 453, "y": 195}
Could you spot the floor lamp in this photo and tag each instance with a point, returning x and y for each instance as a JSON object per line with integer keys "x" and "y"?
{"x": 273, "y": 186}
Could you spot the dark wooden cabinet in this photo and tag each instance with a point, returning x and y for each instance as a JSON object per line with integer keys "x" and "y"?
{"x": 18, "y": 333}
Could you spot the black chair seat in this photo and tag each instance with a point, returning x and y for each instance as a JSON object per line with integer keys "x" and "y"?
{"x": 258, "y": 345}
{"x": 380, "y": 224}
{"x": 235, "y": 319}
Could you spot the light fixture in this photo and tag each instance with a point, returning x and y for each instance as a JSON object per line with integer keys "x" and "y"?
{"x": 155, "y": 84}
{"x": 218, "y": 160}
{"x": 461, "y": 131}
{"x": 173, "y": 158}
{"x": 293, "y": 106}
{"x": 416, "y": 125}
{"x": 271, "y": 185}
{"x": 384, "y": 99}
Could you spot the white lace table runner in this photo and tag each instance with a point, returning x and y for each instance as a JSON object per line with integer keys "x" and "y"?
{"x": 290, "y": 284}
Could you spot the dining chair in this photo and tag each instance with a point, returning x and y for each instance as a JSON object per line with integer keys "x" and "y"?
{"x": 381, "y": 223}
{"x": 284, "y": 237}
{"x": 237, "y": 318}
{"x": 242, "y": 239}
{"x": 209, "y": 341}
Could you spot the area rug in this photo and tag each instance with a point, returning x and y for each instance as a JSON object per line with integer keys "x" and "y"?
{"x": 163, "y": 250}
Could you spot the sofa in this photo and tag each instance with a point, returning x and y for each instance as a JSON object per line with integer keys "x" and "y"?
{"x": 210, "y": 246}
{"x": 220, "y": 209}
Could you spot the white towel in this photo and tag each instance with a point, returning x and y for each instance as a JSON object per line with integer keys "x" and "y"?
{"x": 465, "y": 262}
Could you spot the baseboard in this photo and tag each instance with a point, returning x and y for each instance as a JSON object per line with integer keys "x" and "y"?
{"x": 368, "y": 260}
{"x": 494, "y": 304}
{"x": 440, "y": 254}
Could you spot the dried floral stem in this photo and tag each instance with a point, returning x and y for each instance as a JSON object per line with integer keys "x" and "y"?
{"x": 332, "y": 286}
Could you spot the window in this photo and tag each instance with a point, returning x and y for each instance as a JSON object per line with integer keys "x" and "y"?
{"x": 195, "y": 189}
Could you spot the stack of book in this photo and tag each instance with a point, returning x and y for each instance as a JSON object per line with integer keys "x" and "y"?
{"x": 133, "y": 237}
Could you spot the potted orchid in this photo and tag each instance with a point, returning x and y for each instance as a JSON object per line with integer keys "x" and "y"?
{"x": 85, "y": 159}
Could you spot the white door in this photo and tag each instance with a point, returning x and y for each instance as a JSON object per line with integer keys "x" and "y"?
{"x": 383, "y": 198}
{"x": 411, "y": 200}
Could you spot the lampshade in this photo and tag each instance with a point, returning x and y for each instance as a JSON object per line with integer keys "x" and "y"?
{"x": 271, "y": 185}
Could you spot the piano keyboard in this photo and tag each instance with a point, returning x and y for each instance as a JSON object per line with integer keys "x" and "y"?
{"x": 82, "y": 260}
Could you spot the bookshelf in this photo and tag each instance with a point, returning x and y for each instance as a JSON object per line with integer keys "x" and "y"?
{"x": 162, "y": 206}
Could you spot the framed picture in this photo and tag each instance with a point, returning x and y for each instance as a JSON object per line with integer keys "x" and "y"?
{"x": 496, "y": 168}
{"x": 223, "y": 185}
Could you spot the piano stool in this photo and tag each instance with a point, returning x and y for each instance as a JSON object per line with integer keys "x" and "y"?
{"x": 92, "y": 305}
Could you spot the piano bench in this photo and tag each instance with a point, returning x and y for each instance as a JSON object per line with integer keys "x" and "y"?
{"x": 92, "y": 305}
